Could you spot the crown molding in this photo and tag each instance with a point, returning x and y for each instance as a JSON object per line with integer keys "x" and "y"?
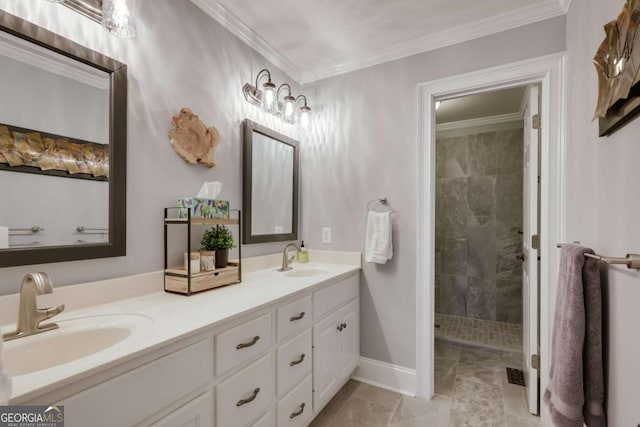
{"x": 485, "y": 27}
{"x": 482, "y": 121}
{"x": 495, "y": 24}
{"x": 238, "y": 28}
{"x": 49, "y": 61}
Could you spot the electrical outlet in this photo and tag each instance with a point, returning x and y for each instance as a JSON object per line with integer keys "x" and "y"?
{"x": 326, "y": 235}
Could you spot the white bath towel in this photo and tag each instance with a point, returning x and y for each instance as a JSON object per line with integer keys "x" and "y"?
{"x": 378, "y": 246}
{"x": 5, "y": 381}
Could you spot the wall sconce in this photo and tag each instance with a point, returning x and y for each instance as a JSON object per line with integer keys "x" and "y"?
{"x": 116, "y": 16}
{"x": 269, "y": 100}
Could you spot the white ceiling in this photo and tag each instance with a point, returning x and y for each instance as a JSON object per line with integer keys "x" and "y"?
{"x": 315, "y": 39}
{"x": 506, "y": 103}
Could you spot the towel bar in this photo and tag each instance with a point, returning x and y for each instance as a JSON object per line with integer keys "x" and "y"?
{"x": 630, "y": 260}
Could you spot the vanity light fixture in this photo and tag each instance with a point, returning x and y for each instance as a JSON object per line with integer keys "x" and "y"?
{"x": 268, "y": 98}
{"x": 118, "y": 18}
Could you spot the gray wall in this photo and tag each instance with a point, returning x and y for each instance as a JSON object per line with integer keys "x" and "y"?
{"x": 364, "y": 145}
{"x": 478, "y": 220}
{"x": 181, "y": 58}
{"x": 603, "y": 203}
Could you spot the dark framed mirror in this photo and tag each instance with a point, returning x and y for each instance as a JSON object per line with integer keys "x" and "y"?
{"x": 270, "y": 185}
{"x": 63, "y": 148}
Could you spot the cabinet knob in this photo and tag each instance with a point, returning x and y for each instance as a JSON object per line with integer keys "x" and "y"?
{"x": 249, "y": 400}
{"x": 299, "y": 361}
{"x": 298, "y": 317}
{"x": 342, "y": 326}
{"x": 248, "y": 344}
{"x": 298, "y": 412}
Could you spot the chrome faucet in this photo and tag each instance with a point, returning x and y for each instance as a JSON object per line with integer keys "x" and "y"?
{"x": 29, "y": 315}
{"x": 285, "y": 257}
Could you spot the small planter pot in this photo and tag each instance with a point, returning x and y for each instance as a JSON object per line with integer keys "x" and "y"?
{"x": 207, "y": 260}
{"x": 222, "y": 258}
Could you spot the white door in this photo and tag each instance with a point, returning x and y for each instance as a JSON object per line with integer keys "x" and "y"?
{"x": 530, "y": 265}
{"x": 349, "y": 342}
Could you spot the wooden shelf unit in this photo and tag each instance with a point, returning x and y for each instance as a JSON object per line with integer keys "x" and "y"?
{"x": 178, "y": 279}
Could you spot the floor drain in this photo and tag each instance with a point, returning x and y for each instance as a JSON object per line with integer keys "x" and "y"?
{"x": 515, "y": 376}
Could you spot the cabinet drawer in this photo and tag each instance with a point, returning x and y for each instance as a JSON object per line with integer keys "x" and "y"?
{"x": 265, "y": 421}
{"x": 294, "y": 317}
{"x": 198, "y": 412}
{"x": 241, "y": 343}
{"x": 295, "y": 410}
{"x": 294, "y": 361}
{"x": 245, "y": 395}
{"x": 334, "y": 296}
{"x": 152, "y": 387}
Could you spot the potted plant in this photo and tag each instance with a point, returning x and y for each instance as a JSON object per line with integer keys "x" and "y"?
{"x": 220, "y": 240}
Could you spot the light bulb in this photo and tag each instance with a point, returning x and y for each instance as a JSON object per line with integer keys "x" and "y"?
{"x": 118, "y": 18}
{"x": 289, "y": 107}
{"x": 269, "y": 96}
{"x": 305, "y": 113}
{"x": 438, "y": 105}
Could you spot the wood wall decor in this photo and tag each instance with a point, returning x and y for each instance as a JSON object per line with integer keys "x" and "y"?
{"x": 617, "y": 63}
{"x": 192, "y": 140}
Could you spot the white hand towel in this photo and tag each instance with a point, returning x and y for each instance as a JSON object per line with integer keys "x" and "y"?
{"x": 4, "y": 237}
{"x": 378, "y": 246}
{"x": 5, "y": 381}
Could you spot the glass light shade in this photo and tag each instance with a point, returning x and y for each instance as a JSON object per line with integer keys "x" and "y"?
{"x": 305, "y": 113}
{"x": 118, "y": 18}
{"x": 289, "y": 108}
{"x": 268, "y": 97}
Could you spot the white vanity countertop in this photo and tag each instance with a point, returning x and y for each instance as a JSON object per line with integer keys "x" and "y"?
{"x": 169, "y": 317}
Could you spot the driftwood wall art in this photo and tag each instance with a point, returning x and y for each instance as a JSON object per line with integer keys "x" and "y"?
{"x": 617, "y": 63}
{"x": 192, "y": 140}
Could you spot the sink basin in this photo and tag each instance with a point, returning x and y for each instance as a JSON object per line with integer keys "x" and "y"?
{"x": 74, "y": 339}
{"x": 306, "y": 273}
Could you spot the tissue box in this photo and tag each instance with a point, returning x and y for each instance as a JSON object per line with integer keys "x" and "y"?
{"x": 203, "y": 208}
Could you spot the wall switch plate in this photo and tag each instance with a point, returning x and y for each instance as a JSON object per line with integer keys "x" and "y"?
{"x": 326, "y": 235}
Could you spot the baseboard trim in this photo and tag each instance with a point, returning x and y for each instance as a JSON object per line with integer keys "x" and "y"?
{"x": 385, "y": 375}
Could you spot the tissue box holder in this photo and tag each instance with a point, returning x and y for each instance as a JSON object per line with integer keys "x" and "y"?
{"x": 203, "y": 208}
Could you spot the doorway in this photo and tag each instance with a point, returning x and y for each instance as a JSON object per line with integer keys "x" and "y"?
{"x": 547, "y": 73}
{"x": 486, "y": 202}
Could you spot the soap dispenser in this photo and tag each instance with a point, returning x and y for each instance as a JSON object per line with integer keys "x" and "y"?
{"x": 303, "y": 255}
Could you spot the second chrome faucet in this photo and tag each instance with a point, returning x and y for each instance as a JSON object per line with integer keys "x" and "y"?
{"x": 285, "y": 257}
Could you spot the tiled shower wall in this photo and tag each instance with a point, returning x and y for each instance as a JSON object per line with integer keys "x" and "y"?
{"x": 478, "y": 225}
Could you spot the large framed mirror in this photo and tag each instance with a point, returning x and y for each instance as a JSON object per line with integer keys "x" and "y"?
{"x": 63, "y": 145}
{"x": 270, "y": 185}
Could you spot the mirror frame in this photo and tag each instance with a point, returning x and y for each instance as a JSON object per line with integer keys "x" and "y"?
{"x": 247, "y": 236}
{"x": 117, "y": 244}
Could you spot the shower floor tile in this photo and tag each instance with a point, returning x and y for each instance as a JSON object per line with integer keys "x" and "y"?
{"x": 486, "y": 333}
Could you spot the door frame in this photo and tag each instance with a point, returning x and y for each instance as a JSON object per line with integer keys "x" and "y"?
{"x": 549, "y": 72}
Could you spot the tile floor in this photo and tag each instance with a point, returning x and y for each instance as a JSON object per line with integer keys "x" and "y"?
{"x": 471, "y": 391}
{"x": 464, "y": 330}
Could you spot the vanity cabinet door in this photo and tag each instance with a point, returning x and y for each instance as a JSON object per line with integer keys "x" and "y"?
{"x": 197, "y": 413}
{"x": 326, "y": 357}
{"x": 348, "y": 340}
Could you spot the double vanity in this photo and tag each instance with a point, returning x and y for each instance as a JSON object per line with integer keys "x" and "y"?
{"x": 271, "y": 351}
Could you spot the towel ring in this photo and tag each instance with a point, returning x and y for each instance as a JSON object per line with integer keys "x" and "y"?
{"x": 382, "y": 200}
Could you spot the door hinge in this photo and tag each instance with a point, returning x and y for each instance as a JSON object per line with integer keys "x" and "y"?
{"x": 535, "y": 361}
{"x": 536, "y": 122}
{"x": 535, "y": 242}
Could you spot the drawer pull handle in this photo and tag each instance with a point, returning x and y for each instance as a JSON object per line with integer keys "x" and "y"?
{"x": 298, "y": 317}
{"x": 342, "y": 326}
{"x": 299, "y": 361}
{"x": 249, "y": 400}
{"x": 248, "y": 344}
{"x": 298, "y": 412}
